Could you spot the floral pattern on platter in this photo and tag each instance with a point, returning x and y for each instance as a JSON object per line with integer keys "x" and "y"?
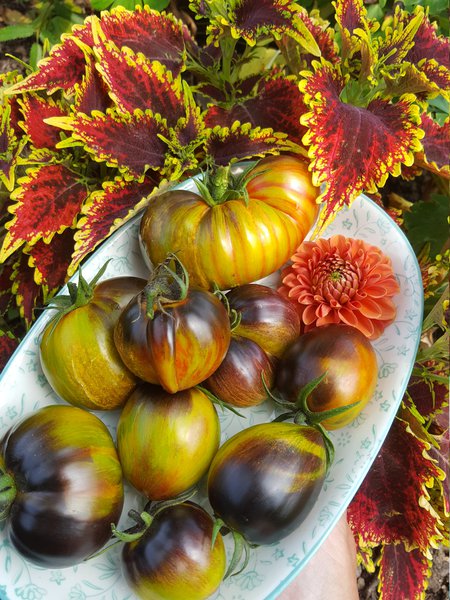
{"x": 23, "y": 388}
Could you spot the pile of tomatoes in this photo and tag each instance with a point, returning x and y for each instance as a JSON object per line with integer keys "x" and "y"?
{"x": 163, "y": 352}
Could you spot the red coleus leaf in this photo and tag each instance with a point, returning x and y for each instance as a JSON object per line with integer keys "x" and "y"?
{"x": 436, "y": 146}
{"x": 427, "y": 43}
{"x": 63, "y": 68}
{"x": 278, "y": 104}
{"x": 6, "y": 271}
{"x": 35, "y": 110}
{"x": 403, "y": 574}
{"x": 28, "y": 294}
{"x": 48, "y": 200}
{"x": 428, "y": 396}
{"x": 354, "y": 148}
{"x": 440, "y": 453}
{"x": 250, "y": 19}
{"x": 391, "y": 506}
{"x": 92, "y": 93}
{"x": 238, "y": 142}
{"x": 136, "y": 83}
{"x": 157, "y": 36}
{"x": 51, "y": 260}
{"x": 8, "y": 343}
{"x": 128, "y": 141}
{"x": 106, "y": 210}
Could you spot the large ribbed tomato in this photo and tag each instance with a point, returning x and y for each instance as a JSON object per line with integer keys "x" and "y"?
{"x": 227, "y": 239}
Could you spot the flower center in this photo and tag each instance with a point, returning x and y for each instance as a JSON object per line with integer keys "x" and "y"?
{"x": 335, "y": 280}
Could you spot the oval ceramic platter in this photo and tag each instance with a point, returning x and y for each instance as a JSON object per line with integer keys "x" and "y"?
{"x": 23, "y": 388}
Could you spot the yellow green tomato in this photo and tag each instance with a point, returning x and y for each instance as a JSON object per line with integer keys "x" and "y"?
{"x": 166, "y": 441}
{"x": 175, "y": 558}
{"x": 77, "y": 350}
{"x": 239, "y": 240}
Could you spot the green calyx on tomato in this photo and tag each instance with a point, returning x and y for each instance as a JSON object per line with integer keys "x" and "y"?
{"x": 8, "y": 491}
{"x": 300, "y": 413}
{"x": 79, "y": 295}
{"x": 220, "y": 184}
{"x": 166, "y": 285}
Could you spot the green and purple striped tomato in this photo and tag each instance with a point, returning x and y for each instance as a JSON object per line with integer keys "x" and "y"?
{"x": 234, "y": 242}
{"x": 264, "y": 480}
{"x": 266, "y": 324}
{"x": 166, "y": 441}
{"x": 60, "y": 469}
{"x": 180, "y": 345}
{"x": 78, "y": 354}
{"x": 175, "y": 558}
{"x": 347, "y": 359}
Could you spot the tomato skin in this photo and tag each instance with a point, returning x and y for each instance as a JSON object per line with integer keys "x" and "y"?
{"x": 267, "y": 324}
{"x": 166, "y": 441}
{"x": 69, "y": 485}
{"x": 180, "y": 346}
{"x": 267, "y": 318}
{"x": 78, "y": 354}
{"x": 234, "y": 243}
{"x": 351, "y": 365}
{"x": 265, "y": 479}
{"x": 174, "y": 559}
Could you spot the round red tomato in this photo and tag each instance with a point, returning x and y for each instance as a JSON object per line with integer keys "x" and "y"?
{"x": 231, "y": 242}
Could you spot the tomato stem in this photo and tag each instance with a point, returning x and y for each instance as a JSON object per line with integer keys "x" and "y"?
{"x": 166, "y": 285}
{"x": 8, "y": 491}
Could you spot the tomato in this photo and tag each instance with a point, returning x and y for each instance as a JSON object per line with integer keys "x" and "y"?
{"x": 265, "y": 479}
{"x": 166, "y": 441}
{"x": 266, "y": 324}
{"x": 170, "y": 335}
{"x": 77, "y": 350}
{"x": 349, "y": 362}
{"x": 236, "y": 241}
{"x": 175, "y": 558}
{"x": 64, "y": 485}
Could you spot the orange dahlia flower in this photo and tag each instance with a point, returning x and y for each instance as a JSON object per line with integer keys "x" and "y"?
{"x": 342, "y": 280}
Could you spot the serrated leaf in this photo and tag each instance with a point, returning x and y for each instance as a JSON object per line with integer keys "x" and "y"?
{"x": 428, "y": 77}
{"x": 127, "y": 141}
{"x": 50, "y": 261}
{"x": 48, "y": 200}
{"x": 63, "y": 68}
{"x": 239, "y": 142}
{"x": 391, "y": 506}
{"x": 436, "y": 146}
{"x": 426, "y": 222}
{"x": 35, "y": 109}
{"x": 428, "y": 397}
{"x": 400, "y": 35}
{"x": 251, "y": 19}
{"x": 136, "y": 83}
{"x": 6, "y": 297}
{"x": 106, "y": 210}
{"x": 92, "y": 93}
{"x": 27, "y": 293}
{"x": 278, "y": 105}
{"x": 8, "y": 343}
{"x": 354, "y": 148}
{"x": 15, "y": 32}
{"x": 403, "y": 574}
{"x": 156, "y": 36}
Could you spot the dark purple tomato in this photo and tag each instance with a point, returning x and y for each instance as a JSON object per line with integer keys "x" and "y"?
{"x": 349, "y": 362}
{"x": 266, "y": 317}
{"x": 180, "y": 346}
{"x": 77, "y": 351}
{"x": 267, "y": 324}
{"x": 264, "y": 480}
{"x": 166, "y": 441}
{"x": 175, "y": 559}
{"x": 65, "y": 485}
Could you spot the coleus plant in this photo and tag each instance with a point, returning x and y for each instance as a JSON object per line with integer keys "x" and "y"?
{"x": 132, "y": 101}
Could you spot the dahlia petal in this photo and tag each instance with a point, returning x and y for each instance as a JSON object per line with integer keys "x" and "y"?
{"x": 309, "y": 315}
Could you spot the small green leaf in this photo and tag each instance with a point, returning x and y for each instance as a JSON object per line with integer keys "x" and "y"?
{"x": 427, "y": 222}
{"x": 15, "y": 32}
{"x": 157, "y": 4}
{"x": 100, "y": 4}
{"x": 36, "y": 54}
